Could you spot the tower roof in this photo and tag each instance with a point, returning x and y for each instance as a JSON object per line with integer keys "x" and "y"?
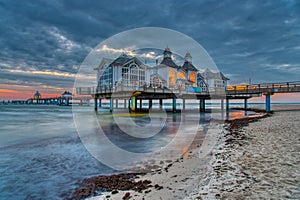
{"x": 168, "y": 59}
{"x": 188, "y": 66}
{"x": 169, "y": 62}
{"x": 167, "y": 49}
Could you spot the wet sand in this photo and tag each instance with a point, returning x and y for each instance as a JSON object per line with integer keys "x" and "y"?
{"x": 252, "y": 159}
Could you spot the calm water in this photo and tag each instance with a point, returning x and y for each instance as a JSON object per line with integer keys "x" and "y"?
{"x": 42, "y": 157}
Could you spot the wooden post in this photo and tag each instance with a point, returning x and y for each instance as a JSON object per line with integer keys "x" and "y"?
{"x": 183, "y": 104}
{"x": 117, "y": 101}
{"x": 141, "y": 103}
{"x": 125, "y": 103}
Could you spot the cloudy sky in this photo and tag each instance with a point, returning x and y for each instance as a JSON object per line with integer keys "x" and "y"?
{"x": 44, "y": 42}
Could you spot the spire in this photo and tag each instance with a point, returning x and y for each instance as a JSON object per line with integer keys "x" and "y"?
{"x": 188, "y": 57}
{"x": 167, "y": 53}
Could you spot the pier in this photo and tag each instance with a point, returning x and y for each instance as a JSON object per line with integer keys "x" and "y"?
{"x": 80, "y": 101}
{"x": 132, "y": 96}
{"x": 65, "y": 99}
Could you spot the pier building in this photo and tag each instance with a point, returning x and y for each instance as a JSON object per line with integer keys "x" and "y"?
{"x": 130, "y": 80}
{"x": 131, "y": 72}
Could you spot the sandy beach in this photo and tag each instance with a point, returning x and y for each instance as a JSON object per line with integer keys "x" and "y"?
{"x": 259, "y": 161}
{"x": 252, "y": 159}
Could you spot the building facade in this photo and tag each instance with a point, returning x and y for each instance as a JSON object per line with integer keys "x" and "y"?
{"x": 131, "y": 72}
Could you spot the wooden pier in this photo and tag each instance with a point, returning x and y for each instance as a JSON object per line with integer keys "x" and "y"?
{"x": 131, "y": 95}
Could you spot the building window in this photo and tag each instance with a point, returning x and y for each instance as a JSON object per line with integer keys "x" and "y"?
{"x": 193, "y": 78}
{"x": 172, "y": 78}
{"x": 181, "y": 75}
{"x": 132, "y": 75}
{"x": 105, "y": 80}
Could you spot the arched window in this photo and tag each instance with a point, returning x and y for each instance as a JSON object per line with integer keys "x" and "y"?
{"x": 181, "y": 75}
{"x": 193, "y": 78}
{"x": 172, "y": 78}
{"x": 133, "y": 75}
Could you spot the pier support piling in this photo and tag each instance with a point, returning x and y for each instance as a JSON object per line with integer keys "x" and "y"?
{"x": 150, "y": 104}
{"x": 96, "y": 104}
{"x": 268, "y": 103}
{"x": 227, "y": 104}
{"x": 160, "y": 104}
{"x": 135, "y": 104}
{"x": 111, "y": 104}
{"x": 174, "y": 105}
{"x": 222, "y": 105}
{"x": 245, "y": 104}
{"x": 202, "y": 105}
{"x": 100, "y": 103}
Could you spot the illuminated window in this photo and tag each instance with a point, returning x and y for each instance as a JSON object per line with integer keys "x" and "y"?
{"x": 181, "y": 75}
{"x": 193, "y": 78}
{"x": 172, "y": 78}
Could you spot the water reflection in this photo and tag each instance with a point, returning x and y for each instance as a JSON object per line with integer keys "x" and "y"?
{"x": 162, "y": 138}
{"x": 134, "y": 144}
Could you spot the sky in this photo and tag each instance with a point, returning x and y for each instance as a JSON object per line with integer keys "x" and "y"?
{"x": 43, "y": 43}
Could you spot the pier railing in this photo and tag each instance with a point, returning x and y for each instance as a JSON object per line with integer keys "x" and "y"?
{"x": 264, "y": 88}
{"x": 94, "y": 90}
{"x": 242, "y": 90}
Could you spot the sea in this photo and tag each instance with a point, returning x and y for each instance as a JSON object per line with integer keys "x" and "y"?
{"x": 42, "y": 155}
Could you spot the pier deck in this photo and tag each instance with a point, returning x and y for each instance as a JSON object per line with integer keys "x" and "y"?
{"x": 231, "y": 92}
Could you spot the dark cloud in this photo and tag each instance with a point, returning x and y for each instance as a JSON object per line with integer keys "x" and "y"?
{"x": 257, "y": 39}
